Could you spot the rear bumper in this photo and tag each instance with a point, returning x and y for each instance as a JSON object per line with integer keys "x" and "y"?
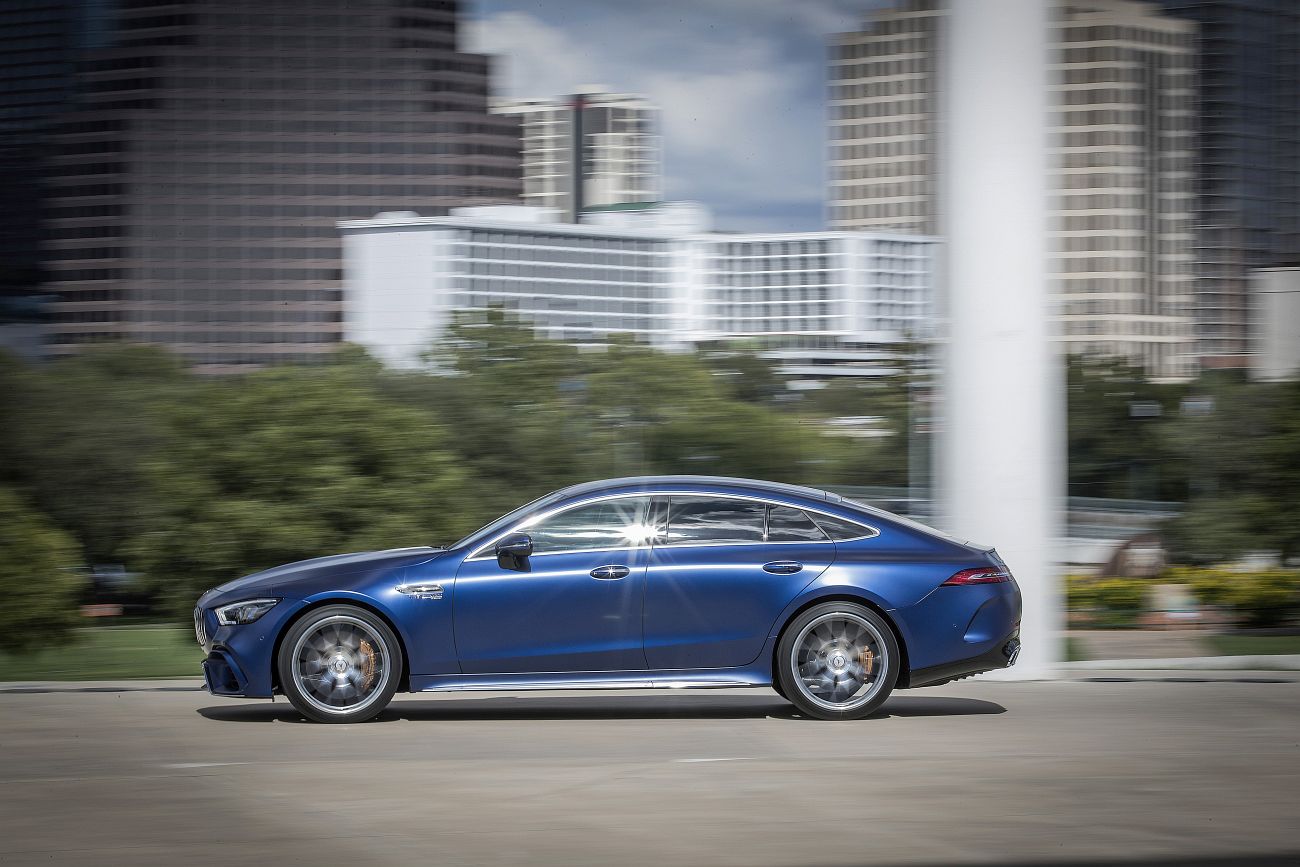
{"x": 1001, "y": 655}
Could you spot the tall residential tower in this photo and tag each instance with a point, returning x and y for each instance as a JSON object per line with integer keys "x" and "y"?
{"x": 1123, "y": 106}
{"x": 611, "y": 139}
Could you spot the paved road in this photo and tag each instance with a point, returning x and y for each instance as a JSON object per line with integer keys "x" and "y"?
{"x": 1157, "y": 769}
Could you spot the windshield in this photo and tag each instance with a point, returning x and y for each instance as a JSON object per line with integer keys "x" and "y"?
{"x": 501, "y": 523}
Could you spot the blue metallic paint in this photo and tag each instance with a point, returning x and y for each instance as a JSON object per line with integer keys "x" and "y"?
{"x": 685, "y": 614}
{"x": 554, "y": 617}
{"x": 713, "y": 606}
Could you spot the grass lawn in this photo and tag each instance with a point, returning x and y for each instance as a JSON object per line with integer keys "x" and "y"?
{"x": 111, "y": 653}
{"x": 1254, "y": 645}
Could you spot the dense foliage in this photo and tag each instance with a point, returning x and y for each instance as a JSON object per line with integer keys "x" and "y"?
{"x": 1267, "y": 597}
{"x": 1243, "y": 598}
{"x": 1227, "y": 448}
{"x": 38, "y": 577}
{"x": 1117, "y": 444}
{"x": 191, "y": 481}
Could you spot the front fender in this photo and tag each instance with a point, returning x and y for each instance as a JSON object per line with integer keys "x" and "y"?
{"x": 423, "y": 626}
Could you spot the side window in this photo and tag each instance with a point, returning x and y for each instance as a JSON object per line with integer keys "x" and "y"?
{"x": 841, "y": 530}
{"x": 704, "y": 521}
{"x": 616, "y": 523}
{"x": 785, "y": 524}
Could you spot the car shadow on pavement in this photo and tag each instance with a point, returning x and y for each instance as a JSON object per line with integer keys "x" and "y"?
{"x": 597, "y": 707}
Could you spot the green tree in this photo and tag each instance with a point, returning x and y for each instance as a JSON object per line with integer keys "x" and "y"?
{"x": 667, "y": 412}
{"x": 1116, "y": 432}
{"x": 1241, "y": 446}
{"x": 749, "y": 377}
{"x": 38, "y": 578}
{"x": 79, "y": 433}
{"x": 289, "y": 464}
{"x": 515, "y": 407}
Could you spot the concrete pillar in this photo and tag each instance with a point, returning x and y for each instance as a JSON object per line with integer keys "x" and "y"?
{"x": 1000, "y": 449}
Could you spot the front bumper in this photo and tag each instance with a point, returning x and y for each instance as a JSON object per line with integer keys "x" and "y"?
{"x": 223, "y": 676}
{"x": 241, "y": 659}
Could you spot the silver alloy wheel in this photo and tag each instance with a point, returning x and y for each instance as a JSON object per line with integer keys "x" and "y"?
{"x": 341, "y": 664}
{"x": 839, "y": 661}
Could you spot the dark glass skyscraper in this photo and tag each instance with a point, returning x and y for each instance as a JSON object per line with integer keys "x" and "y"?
{"x": 1248, "y": 159}
{"x": 39, "y": 44}
{"x": 202, "y": 151}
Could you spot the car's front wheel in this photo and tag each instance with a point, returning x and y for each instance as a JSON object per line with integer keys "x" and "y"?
{"x": 837, "y": 661}
{"x": 339, "y": 664}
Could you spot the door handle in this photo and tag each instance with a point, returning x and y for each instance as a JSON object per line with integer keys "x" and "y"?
{"x": 782, "y": 567}
{"x": 610, "y": 573}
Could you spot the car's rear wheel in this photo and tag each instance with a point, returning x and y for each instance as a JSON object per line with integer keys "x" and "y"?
{"x": 837, "y": 661}
{"x": 339, "y": 664}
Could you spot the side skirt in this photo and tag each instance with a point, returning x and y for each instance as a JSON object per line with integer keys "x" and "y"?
{"x": 726, "y": 678}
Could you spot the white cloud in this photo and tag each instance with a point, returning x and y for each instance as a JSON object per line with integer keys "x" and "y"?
{"x": 532, "y": 58}
{"x": 740, "y": 84}
{"x": 743, "y": 135}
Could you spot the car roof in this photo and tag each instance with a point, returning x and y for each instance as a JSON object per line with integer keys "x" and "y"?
{"x": 648, "y": 482}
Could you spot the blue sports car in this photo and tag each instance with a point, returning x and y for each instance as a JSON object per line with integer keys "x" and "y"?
{"x": 661, "y": 581}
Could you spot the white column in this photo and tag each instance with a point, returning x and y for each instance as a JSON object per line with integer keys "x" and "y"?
{"x": 1000, "y": 450}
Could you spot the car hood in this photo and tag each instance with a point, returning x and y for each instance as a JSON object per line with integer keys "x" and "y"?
{"x": 338, "y": 564}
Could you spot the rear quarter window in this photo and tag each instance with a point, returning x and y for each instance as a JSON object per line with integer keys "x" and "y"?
{"x": 785, "y": 524}
{"x": 841, "y": 530}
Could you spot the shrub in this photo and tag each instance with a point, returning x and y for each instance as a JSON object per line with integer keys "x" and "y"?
{"x": 1264, "y": 598}
{"x": 1119, "y": 600}
{"x": 1110, "y": 601}
{"x": 41, "y": 590}
{"x": 1079, "y": 595}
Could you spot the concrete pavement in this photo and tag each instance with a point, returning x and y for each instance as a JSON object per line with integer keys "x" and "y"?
{"x": 1143, "y": 768}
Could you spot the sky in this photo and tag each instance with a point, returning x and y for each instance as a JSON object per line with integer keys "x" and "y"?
{"x": 741, "y": 84}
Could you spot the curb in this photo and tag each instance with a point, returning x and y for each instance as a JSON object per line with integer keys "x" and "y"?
{"x": 1266, "y": 662}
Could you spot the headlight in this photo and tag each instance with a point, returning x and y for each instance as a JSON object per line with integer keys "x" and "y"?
{"x": 244, "y": 612}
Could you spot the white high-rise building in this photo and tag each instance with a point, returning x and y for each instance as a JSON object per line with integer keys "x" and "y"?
{"x": 620, "y": 153}
{"x": 822, "y": 304}
{"x": 1122, "y": 109}
{"x": 884, "y": 91}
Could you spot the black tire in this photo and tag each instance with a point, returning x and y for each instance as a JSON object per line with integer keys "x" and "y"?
{"x": 359, "y": 674}
{"x": 872, "y": 639}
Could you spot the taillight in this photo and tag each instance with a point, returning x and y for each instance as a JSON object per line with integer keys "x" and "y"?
{"x": 983, "y": 575}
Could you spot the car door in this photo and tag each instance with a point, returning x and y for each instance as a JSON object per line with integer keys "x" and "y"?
{"x": 573, "y": 605}
{"x": 721, "y": 571}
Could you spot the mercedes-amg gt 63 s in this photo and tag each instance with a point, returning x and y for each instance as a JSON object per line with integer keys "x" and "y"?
{"x": 662, "y": 581}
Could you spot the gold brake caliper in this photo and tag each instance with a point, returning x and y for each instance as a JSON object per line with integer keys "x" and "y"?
{"x": 368, "y": 669}
{"x": 868, "y": 659}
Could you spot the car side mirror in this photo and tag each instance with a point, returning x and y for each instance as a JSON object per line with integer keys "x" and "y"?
{"x": 514, "y": 550}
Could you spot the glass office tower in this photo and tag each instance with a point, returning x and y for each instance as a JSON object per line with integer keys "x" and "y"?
{"x": 201, "y": 152}
{"x": 1247, "y": 161}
